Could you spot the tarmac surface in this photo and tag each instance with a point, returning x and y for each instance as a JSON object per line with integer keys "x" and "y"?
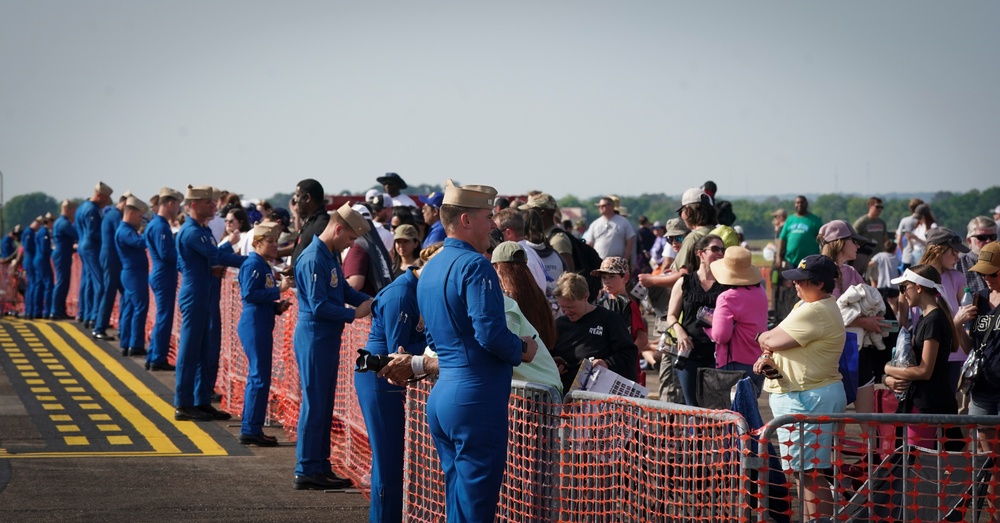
{"x": 88, "y": 435}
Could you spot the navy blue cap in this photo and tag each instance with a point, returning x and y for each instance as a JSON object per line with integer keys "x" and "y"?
{"x": 813, "y": 267}
{"x": 434, "y": 199}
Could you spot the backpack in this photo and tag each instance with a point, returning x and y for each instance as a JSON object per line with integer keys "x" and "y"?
{"x": 585, "y": 259}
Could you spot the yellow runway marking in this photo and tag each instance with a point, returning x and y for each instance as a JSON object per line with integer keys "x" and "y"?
{"x": 67, "y": 428}
{"x": 146, "y": 428}
{"x": 60, "y": 417}
{"x": 205, "y": 443}
{"x": 99, "y": 417}
{"x": 119, "y": 440}
{"x": 76, "y": 440}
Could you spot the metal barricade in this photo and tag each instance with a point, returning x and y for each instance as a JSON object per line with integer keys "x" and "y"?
{"x": 530, "y": 486}
{"x": 628, "y": 459}
{"x": 878, "y": 467}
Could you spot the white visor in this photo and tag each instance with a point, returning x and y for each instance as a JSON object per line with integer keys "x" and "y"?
{"x": 913, "y": 277}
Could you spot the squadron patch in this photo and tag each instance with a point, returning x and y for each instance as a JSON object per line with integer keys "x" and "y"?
{"x": 269, "y": 281}
{"x": 333, "y": 278}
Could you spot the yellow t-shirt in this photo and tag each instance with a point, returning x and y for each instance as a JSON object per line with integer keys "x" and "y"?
{"x": 819, "y": 329}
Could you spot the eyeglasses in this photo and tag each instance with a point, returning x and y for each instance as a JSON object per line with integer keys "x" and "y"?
{"x": 880, "y": 207}
{"x": 985, "y": 237}
{"x": 678, "y": 239}
{"x": 715, "y": 249}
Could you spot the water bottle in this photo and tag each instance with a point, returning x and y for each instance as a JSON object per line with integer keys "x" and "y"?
{"x": 967, "y": 299}
{"x": 683, "y": 352}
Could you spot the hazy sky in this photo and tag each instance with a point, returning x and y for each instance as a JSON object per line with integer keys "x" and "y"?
{"x": 564, "y": 96}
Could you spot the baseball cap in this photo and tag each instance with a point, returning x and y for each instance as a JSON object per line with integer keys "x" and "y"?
{"x": 509, "y": 252}
{"x": 838, "y": 230}
{"x": 676, "y": 227}
{"x": 692, "y": 196}
{"x": 945, "y": 236}
{"x": 658, "y": 225}
{"x": 989, "y": 260}
{"x": 433, "y": 199}
{"x": 362, "y": 210}
{"x": 405, "y": 232}
{"x": 814, "y": 267}
{"x": 611, "y": 265}
{"x": 541, "y": 200}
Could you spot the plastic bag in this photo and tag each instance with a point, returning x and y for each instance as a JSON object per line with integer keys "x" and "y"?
{"x": 902, "y": 355}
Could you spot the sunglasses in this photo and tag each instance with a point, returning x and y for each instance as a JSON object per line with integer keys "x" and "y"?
{"x": 985, "y": 237}
{"x": 715, "y": 249}
{"x": 994, "y": 275}
{"x": 677, "y": 239}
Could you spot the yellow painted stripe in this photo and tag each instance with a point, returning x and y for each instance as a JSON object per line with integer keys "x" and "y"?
{"x": 146, "y": 427}
{"x": 205, "y": 443}
{"x": 60, "y": 455}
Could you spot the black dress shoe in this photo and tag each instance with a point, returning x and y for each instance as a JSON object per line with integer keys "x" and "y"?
{"x": 160, "y": 366}
{"x": 90, "y": 324}
{"x": 102, "y": 336}
{"x": 261, "y": 440}
{"x": 124, "y": 352}
{"x": 214, "y": 412}
{"x": 320, "y": 482}
{"x": 79, "y": 319}
{"x": 191, "y": 414}
{"x": 137, "y": 352}
{"x": 60, "y": 317}
{"x": 146, "y": 365}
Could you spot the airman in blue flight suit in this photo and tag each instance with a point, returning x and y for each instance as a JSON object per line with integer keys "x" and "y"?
{"x": 29, "y": 246}
{"x": 111, "y": 269}
{"x": 131, "y": 246}
{"x": 260, "y": 293}
{"x": 462, "y": 304}
{"x": 163, "y": 278}
{"x": 43, "y": 267}
{"x": 63, "y": 239}
{"x": 396, "y": 323}
{"x": 198, "y": 257}
{"x": 8, "y": 247}
{"x": 323, "y": 298}
{"x": 88, "y": 230}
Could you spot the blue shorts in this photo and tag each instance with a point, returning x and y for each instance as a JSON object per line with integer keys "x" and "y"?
{"x": 810, "y": 447}
{"x": 984, "y": 404}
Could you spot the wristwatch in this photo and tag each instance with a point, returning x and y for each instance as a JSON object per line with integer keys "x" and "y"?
{"x": 757, "y": 337}
{"x": 524, "y": 346}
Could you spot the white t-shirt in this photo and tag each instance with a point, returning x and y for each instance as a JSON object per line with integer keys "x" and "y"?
{"x": 402, "y": 200}
{"x": 218, "y": 226}
{"x": 609, "y": 236}
{"x": 535, "y": 266}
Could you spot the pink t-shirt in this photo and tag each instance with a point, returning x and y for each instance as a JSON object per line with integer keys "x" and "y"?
{"x": 740, "y": 314}
{"x": 848, "y": 276}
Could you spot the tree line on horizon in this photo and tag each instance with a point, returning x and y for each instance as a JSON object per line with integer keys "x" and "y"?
{"x": 952, "y": 210}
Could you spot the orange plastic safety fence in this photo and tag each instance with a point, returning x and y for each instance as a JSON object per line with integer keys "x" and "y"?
{"x": 530, "y": 488}
{"x": 11, "y": 301}
{"x": 912, "y": 468}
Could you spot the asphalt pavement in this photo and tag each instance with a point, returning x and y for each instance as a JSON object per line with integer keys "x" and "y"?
{"x": 89, "y": 435}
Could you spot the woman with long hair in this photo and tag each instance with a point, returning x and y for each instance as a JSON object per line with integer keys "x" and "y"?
{"x": 528, "y": 313}
{"x": 697, "y": 289}
{"x": 932, "y": 343}
{"x": 238, "y": 221}
{"x": 918, "y": 237}
{"x": 943, "y": 250}
{"x": 406, "y": 249}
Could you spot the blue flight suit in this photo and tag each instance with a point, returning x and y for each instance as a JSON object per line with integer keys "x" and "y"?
{"x": 434, "y": 234}
{"x": 260, "y": 294}
{"x": 395, "y": 323}
{"x": 197, "y": 253}
{"x": 131, "y": 248}
{"x": 43, "y": 272}
{"x": 28, "y": 262}
{"x": 462, "y": 305}
{"x": 323, "y": 293}
{"x": 111, "y": 267}
{"x": 7, "y": 247}
{"x": 63, "y": 238}
{"x": 88, "y": 229}
{"x": 163, "y": 281}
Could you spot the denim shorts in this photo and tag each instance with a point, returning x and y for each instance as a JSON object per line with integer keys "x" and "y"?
{"x": 984, "y": 404}
{"x": 810, "y": 447}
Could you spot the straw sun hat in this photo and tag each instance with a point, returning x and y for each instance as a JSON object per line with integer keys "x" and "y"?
{"x": 735, "y": 268}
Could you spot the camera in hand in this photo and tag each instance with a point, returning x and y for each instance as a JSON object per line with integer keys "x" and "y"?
{"x": 368, "y": 362}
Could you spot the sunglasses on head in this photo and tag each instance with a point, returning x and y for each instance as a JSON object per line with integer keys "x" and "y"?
{"x": 986, "y": 237}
